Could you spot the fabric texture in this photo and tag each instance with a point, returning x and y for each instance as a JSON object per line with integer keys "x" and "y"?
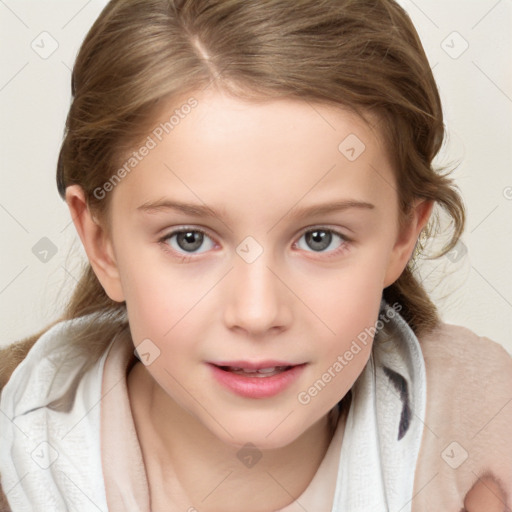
{"x": 49, "y": 447}
{"x": 69, "y": 442}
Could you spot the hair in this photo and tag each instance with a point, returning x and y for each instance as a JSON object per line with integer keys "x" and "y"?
{"x": 361, "y": 55}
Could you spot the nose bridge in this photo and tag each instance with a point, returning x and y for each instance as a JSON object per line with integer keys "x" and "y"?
{"x": 257, "y": 301}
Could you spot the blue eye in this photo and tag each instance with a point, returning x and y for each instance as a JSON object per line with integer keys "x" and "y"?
{"x": 188, "y": 241}
{"x": 320, "y": 239}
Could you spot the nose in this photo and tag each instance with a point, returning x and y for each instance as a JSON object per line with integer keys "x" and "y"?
{"x": 258, "y": 301}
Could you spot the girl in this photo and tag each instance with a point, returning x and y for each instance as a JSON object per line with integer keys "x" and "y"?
{"x": 252, "y": 182}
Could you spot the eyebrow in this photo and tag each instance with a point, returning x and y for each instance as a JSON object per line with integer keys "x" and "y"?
{"x": 197, "y": 210}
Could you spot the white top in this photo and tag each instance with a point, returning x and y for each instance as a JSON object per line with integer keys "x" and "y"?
{"x": 52, "y": 432}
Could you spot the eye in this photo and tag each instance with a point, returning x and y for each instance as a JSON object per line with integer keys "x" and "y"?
{"x": 322, "y": 240}
{"x": 188, "y": 241}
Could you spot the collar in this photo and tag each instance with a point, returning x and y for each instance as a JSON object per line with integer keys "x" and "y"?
{"x": 385, "y": 422}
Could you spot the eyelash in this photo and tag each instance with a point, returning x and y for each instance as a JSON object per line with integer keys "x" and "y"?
{"x": 188, "y": 257}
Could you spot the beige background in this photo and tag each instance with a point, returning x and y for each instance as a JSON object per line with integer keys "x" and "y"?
{"x": 468, "y": 43}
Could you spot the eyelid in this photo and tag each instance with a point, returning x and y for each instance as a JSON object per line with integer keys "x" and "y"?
{"x": 181, "y": 229}
{"x": 320, "y": 227}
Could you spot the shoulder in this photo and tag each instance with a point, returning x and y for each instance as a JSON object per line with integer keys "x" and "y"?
{"x": 469, "y": 378}
{"x": 12, "y": 355}
{"x": 466, "y": 441}
{"x": 59, "y": 330}
{"x": 47, "y": 381}
{"x": 457, "y": 352}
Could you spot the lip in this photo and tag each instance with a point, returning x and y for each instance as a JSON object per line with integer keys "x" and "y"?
{"x": 254, "y": 365}
{"x": 256, "y": 387}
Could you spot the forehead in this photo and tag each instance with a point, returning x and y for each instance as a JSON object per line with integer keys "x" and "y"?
{"x": 213, "y": 147}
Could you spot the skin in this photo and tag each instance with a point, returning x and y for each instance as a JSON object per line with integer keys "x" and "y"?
{"x": 255, "y": 164}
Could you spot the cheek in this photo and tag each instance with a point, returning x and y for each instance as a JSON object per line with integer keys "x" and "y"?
{"x": 158, "y": 307}
{"x": 348, "y": 306}
{"x": 155, "y": 299}
{"x": 347, "y": 300}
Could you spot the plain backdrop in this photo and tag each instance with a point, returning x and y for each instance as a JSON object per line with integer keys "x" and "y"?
{"x": 468, "y": 43}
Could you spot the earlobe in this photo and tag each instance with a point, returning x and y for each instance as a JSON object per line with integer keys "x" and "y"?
{"x": 97, "y": 244}
{"x": 407, "y": 239}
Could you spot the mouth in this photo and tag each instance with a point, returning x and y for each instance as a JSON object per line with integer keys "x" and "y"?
{"x": 260, "y": 372}
{"x": 256, "y": 379}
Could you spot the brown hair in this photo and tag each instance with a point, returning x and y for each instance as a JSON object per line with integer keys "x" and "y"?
{"x": 364, "y": 55}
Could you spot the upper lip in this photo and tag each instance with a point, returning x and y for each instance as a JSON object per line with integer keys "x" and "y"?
{"x": 254, "y": 365}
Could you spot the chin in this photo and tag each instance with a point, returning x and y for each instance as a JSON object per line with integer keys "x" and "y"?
{"x": 271, "y": 435}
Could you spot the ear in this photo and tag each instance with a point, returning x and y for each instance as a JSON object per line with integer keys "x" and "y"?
{"x": 97, "y": 243}
{"x": 407, "y": 239}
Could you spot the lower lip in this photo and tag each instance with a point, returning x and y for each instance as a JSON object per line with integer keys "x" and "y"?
{"x": 257, "y": 387}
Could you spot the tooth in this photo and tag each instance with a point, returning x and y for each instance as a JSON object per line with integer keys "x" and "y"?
{"x": 262, "y": 372}
{"x": 268, "y": 370}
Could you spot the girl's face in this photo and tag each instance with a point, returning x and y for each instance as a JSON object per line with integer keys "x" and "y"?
{"x": 255, "y": 234}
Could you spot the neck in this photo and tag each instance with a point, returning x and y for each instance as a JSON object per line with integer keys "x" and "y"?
{"x": 188, "y": 466}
